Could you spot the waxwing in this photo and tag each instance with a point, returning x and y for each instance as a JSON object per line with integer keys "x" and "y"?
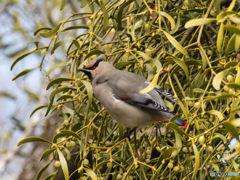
{"x": 118, "y": 92}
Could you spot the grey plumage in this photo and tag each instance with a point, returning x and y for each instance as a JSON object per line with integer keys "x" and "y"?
{"x": 118, "y": 92}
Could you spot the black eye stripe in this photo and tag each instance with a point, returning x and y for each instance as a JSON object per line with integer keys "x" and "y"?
{"x": 95, "y": 65}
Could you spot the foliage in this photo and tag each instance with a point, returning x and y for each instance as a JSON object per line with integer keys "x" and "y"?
{"x": 190, "y": 48}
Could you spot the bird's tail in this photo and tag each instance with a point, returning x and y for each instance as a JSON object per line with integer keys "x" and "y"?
{"x": 181, "y": 122}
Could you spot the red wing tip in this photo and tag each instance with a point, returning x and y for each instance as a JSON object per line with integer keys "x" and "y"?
{"x": 186, "y": 125}
{"x": 124, "y": 97}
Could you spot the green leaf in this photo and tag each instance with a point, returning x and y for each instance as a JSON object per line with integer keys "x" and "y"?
{"x": 42, "y": 170}
{"x": 236, "y": 122}
{"x": 63, "y": 4}
{"x": 51, "y": 32}
{"x": 166, "y": 15}
{"x": 89, "y": 91}
{"x": 230, "y": 128}
{"x": 222, "y": 137}
{"x": 55, "y": 67}
{"x": 32, "y": 139}
{"x": 70, "y": 133}
{"x": 233, "y": 85}
{"x": 217, "y": 113}
{"x": 143, "y": 55}
{"x": 165, "y": 154}
{"x": 204, "y": 58}
{"x": 105, "y": 15}
{"x": 65, "y": 96}
{"x": 7, "y": 95}
{"x": 236, "y": 168}
{"x": 230, "y": 45}
{"x": 220, "y": 96}
{"x": 176, "y": 26}
{"x": 49, "y": 107}
{"x": 197, "y": 160}
{"x": 123, "y": 64}
{"x": 91, "y": 173}
{"x": 151, "y": 85}
{"x": 63, "y": 164}
{"x": 52, "y": 176}
{"x": 237, "y": 42}
{"x": 58, "y": 44}
{"x": 198, "y": 90}
{"x": 176, "y": 44}
{"x": 47, "y": 153}
{"x": 93, "y": 52}
{"x": 24, "y": 72}
{"x": 182, "y": 65}
{"x": 199, "y": 22}
{"x": 75, "y": 27}
{"x": 231, "y": 5}
{"x": 178, "y": 141}
{"x": 232, "y": 29}
{"x": 58, "y": 81}
{"x": 237, "y": 80}
{"x": 58, "y": 90}
{"x": 77, "y": 44}
{"x": 99, "y": 165}
{"x": 220, "y": 38}
{"x": 39, "y": 107}
{"x": 20, "y": 57}
{"x": 176, "y": 127}
{"x": 40, "y": 29}
{"x": 120, "y": 13}
{"x": 68, "y": 153}
{"x": 218, "y": 79}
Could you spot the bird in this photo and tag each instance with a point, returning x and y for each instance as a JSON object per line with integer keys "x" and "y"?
{"x": 118, "y": 92}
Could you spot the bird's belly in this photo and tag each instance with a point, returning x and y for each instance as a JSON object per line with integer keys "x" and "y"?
{"x": 128, "y": 115}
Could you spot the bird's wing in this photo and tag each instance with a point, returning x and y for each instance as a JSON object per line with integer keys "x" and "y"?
{"x": 145, "y": 102}
{"x": 127, "y": 89}
{"x": 160, "y": 90}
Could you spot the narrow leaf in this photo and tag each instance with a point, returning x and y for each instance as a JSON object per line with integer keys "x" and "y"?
{"x": 93, "y": 52}
{"x": 220, "y": 38}
{"x": 58, "y": 44}
{"x": 47, "y": 153}
{"x": 55, "y": 67}
{"x": 20, "y": 57}
{"x": 151, "y": 85}
{"x": 63, "y": 164}
{"x": 176, "y": 44}
{"x": 42, "y": 170}
{"x": 91, "y": 173}
{"x": 197, "y": 160}
{"x": 218, "y": 79}
{"x": 24, "y": 72}
{"x": 58, "y": 81}
{"x": 230, "y": 128}
{"x": 63, "y": 4}
{"x": 40, "y": 29}
{"x": 39, "y": 107}
{"x": 32, "y": 139}
{"x": 51, "y": 32}
{"x": 176, "y": 127}
{"x": 217, "y": 113}
{"x": 232, "y": 29}
{"x": 105, "y": 15}
{"x": 199, "y": 22}
{"x": 230, "y": 45}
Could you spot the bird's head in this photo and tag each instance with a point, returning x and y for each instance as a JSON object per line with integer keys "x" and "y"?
{"x": 92, "y": 67}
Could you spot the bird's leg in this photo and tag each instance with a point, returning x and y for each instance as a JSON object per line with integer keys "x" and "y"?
{"x": 128, "y": 133}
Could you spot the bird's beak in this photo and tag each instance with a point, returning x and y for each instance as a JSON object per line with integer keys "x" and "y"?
{"x": 87, "y": 72}
{"x": 83, "y": 70}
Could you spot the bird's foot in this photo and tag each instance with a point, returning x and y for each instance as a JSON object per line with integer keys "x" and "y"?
{"x": 128, "y": 133}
